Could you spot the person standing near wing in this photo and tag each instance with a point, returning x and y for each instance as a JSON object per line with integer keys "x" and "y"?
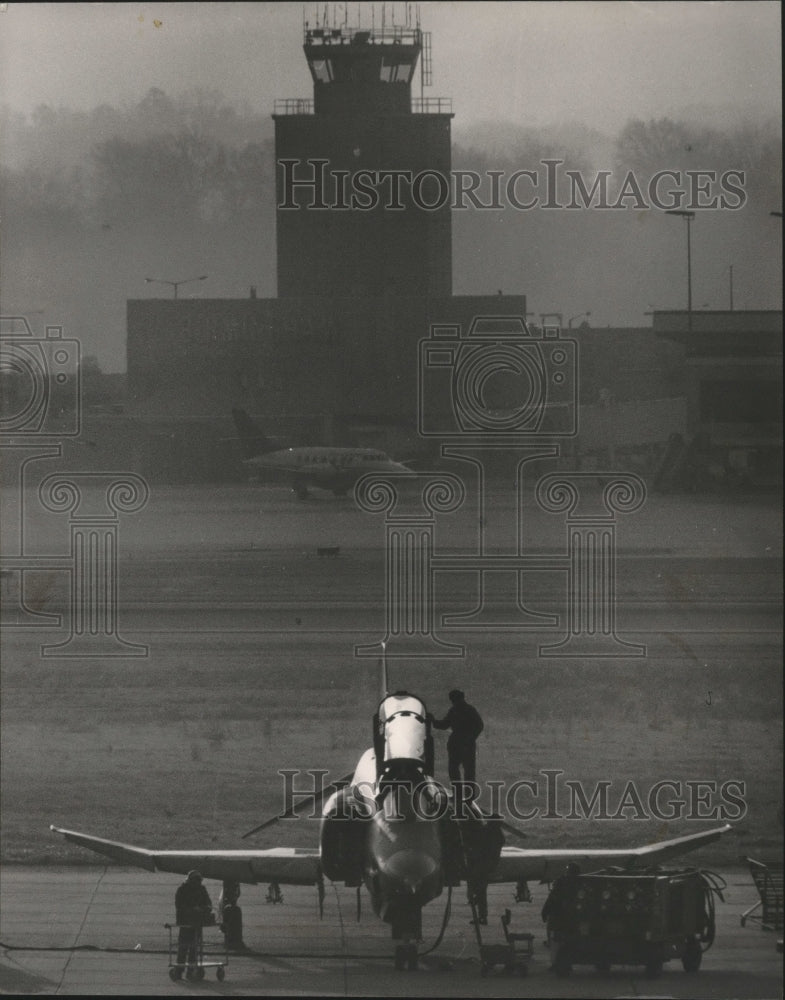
{"x": 230, "y": 916}
{"x": 561, "y": 918}
{"x": 194, "y": 910}
{"x": 466, "y": 724}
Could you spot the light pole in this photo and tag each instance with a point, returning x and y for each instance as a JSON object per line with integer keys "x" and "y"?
{"x": 569, "y": 321}
{"x": 689, "y": 216}
{"x": 175, "y": 284}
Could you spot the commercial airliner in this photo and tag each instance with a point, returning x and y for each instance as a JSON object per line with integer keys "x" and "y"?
{"x": 392, "y": 827}
{"x": 327, "y": 468}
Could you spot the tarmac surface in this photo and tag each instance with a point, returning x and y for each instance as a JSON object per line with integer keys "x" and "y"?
{"x": 100, "y": 931}
{"x": 237, "y": 571}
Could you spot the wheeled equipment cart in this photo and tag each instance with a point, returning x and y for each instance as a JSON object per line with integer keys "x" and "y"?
{"x": 195, "y": 967}
{"x": 616, "y": 918}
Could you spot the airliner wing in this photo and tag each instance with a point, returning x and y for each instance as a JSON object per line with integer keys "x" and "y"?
{"x": 525, "y": 864}
{"x": 287, "y": 865}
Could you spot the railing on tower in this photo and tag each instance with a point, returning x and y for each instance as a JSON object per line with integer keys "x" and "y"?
{"x": 370, "y": 35}
{"x": 432, "y": 105}
{"x": 420, "y": 106}
{"x": 293, "y": 106}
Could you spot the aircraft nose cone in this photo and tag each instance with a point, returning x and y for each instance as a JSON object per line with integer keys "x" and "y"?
{"x": 409, "y": 866}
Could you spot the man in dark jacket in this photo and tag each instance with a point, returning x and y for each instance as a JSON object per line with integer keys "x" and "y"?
{"x": 194, "y": 910}
{"x": 230, "y": 916}
{"x": 466, "y": 724}
{"x": 561, "y": 918}
{"x": 558, "y": 911}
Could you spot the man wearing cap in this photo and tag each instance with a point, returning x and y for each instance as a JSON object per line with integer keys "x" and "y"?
{"x": 466, "y": 724}
{"x": 193, "y": 909}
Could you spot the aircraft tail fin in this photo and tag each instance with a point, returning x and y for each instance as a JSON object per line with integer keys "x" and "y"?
{"x": 252, "y": 440}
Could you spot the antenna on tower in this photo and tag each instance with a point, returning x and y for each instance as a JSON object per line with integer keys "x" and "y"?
{"x": 384, "y": 678}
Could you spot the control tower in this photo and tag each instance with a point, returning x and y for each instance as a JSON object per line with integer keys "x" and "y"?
{"x": 364, "y": 245}
{"x": 361, "y": 167}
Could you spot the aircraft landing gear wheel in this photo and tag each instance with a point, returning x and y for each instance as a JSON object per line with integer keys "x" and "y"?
{"x": 484, "y": 968}
{"x": 654, "y": 968}
{"x": 175, "y": 974}
{"x": 199, "y": 974}
{"x": 691, "y": 959}
{"x": 190, "y": 975}
{"x": 411, "y": 958}
{"x": 220, "y": 974}
{"x": 400, "y": 957}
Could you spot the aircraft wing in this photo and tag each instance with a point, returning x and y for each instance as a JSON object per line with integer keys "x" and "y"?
{"x": 287, "y": 865}
{"x": 531, "y": 864}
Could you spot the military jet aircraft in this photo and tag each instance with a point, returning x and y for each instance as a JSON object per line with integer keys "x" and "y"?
{"x": 392, "y": 827}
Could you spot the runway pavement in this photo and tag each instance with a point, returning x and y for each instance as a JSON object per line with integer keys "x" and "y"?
{"x": 99, "y": 931}
{"x": 213, "y": 519}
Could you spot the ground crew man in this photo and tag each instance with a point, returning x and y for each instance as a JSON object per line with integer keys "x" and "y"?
{"x": 562, "y": 892}
{"x": 230, "y": 916}
{"x": 559, "y": 915}
{"x": 194, "y": 910}
{"x": 482, "y": 842}
{"x": 466, "y": 724}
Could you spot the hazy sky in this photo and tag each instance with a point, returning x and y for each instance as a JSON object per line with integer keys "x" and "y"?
{"x": 600, "y": 63}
